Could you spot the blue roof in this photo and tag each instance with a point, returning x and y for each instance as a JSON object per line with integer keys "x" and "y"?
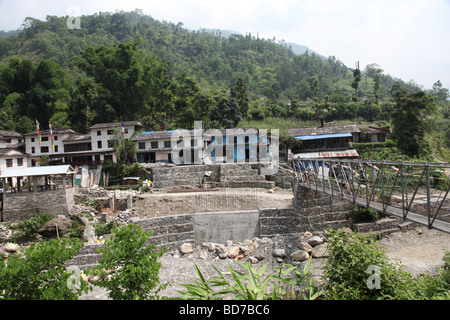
{"x": 324, "y": 136}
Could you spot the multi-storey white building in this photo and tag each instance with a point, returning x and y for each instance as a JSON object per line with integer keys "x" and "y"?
{"x": 102, "y": 135}
{"x": 157, "y": 146}
{"x": 74, "y": 148}
{"x": 11, "y": 152}
{"x": 36, "y": 149}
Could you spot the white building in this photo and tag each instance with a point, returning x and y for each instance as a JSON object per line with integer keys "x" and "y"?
{"x": 153, "y": 146}
{"x": 102, "y": 135}
{"x": 73, "y": 148}
{"x": 10, "y": 139}
{"x": 36, "y": 150}
{"x": 10, "y": 159}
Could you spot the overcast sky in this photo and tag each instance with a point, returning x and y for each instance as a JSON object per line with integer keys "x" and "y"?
{"x": 409, "y": 39}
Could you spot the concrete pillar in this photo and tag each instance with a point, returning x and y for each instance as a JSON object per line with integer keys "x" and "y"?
{"x": 112, "y": 203}
{"x": 129, "y": 201}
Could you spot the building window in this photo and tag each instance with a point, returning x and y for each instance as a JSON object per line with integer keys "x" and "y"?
{"x": 32, "y": 139}
{"x": 154, "y": 144}
{"x": 110, "y": 144}
{"x": 8, "y": 163}
{"x": 33, "y": 150}
{"x": 55, "y": 138}
{"x": 99, "y": 133}
{"x": 8, "y": 140}
{"x": 99, "y": 144}
{"x": 44, "y": 149}
{"x": 110, "y": 132}
{"x": 19, "y": 162}
{"x": 56, "y": 148}
{"x": 141, "y": 145}
{"x": 44, "y": 139}
{"x": 167, "y": 144}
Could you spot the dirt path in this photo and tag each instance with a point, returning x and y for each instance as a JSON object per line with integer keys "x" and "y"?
{"x": 419, "y": 250}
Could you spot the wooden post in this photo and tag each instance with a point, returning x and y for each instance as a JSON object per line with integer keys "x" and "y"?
{"x": 35, "y": 184}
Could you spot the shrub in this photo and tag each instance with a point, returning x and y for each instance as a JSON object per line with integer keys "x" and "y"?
{"x": 102, "y": 228}
{"x": 254, "y": 284}
{"x": 28, "y": 229}
{"x": 40, "y": 273}
{"x": 134, "y": 262}
{"x": 351, "y": 264}
{"x": 362, "y": 214}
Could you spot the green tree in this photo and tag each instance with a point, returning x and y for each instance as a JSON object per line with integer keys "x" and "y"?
{"x": 239, "y": 92}
{"x": 440, "y": 94}
{"x": 123, "y": 148}
{"x": 134, "y": 262}
{"x": 356, "y": 80}
{"x": 226, "y": 112}
{"x": 408, "y": 120}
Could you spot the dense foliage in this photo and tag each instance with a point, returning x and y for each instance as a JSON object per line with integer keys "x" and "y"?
{"x": 128, "y": 65}
{"x": 40, "y": 273}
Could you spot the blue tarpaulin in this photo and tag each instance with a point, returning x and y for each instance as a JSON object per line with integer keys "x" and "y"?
{"x": 324, "y": 136}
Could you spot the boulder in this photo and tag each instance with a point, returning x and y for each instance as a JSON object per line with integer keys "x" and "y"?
{"x": 305, "y": 246}
{"x": 89, "y": 232}
{"x": 12, "y": 247}
{"x": 253, "y": 260}
{"x": 320, "y": 251}
{"x": 279, "y": 253}
{"x": 233, "y": 252}
{"x": 315, "y": 240}
{"x": 210, "y": 246}
{"x": 299, "y": 255}
{"x": 62, "y": 223}
{"x": 186, "y": 248}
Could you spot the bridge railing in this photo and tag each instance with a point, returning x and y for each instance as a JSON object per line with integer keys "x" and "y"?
{"x": 415, "y": 191}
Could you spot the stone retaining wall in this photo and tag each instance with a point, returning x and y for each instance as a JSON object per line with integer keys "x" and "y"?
{"x": 226, "y": 175}
{"x": 169, "y": 231}
{"x": 23, "y": 205}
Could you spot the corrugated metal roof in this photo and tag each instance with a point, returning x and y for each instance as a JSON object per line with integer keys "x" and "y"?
{"x": 10, "y": 134}
{"x": 327, "y": 154}
{"x": 37, "y": 171}
{"x": 323, "y": 130}
{"x": 324, "y": 136}
{"x": 46, "y": 132}
{"x": 116, "y": 124}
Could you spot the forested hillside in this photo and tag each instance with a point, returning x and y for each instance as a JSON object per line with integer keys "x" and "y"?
{"x": 129, "y": 65}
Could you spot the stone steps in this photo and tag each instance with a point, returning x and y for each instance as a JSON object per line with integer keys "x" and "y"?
{"x": 247, "y": 184}
{"x": 242, "y": 178}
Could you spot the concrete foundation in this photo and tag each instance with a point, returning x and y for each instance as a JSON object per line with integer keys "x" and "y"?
{"x": 222, "y": 226}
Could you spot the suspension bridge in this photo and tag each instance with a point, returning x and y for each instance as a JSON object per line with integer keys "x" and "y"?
{"x": 413, "y": 191}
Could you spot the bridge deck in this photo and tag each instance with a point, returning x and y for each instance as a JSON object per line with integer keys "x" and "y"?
{"x": 387, "y": 209}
